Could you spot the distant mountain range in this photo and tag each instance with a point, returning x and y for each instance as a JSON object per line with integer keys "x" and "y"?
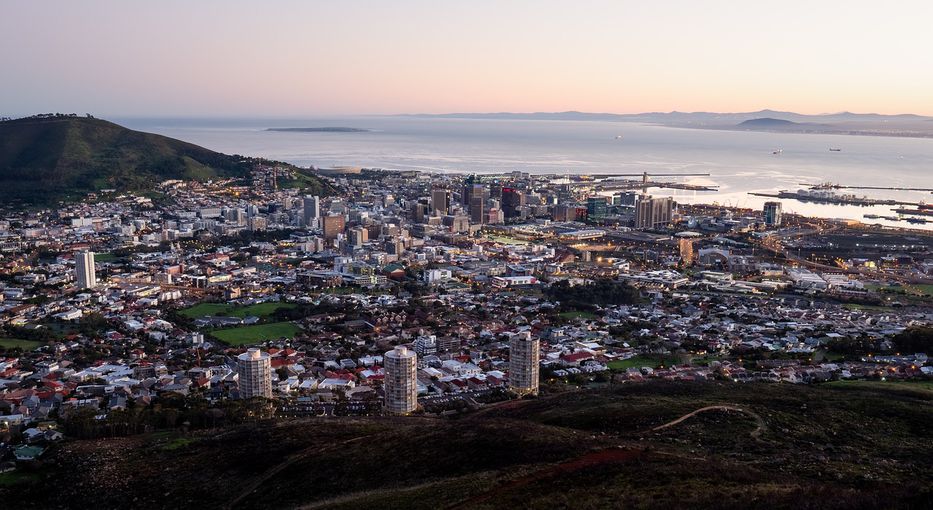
{"x": 47, "y": 158}
{"x": 908, "y": 125}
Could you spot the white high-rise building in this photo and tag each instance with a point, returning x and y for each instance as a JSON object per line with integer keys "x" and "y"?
{"x": 401, "y": 380}
{"x": 85, "y": 274}
{"x": 312, "y": 211}
{"x": 524, "y": 357}
{"x": 254, "y": 368}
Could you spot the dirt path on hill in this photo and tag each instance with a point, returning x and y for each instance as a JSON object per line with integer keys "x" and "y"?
{"x": 589, "y": 460}
{"x": 759, "y": 421}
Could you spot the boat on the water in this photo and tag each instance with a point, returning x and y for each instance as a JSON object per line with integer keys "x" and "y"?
{"x": 833, "y": 149}
{"x": 914, "y": 212}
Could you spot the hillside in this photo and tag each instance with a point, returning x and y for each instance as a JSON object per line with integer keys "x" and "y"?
{"x": 50, "y": 158}
{"x": 657, "y": 445}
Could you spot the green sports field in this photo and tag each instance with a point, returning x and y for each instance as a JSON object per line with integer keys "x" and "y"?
{"x": 12, "y": 343}
{"x": 246, "y": 335}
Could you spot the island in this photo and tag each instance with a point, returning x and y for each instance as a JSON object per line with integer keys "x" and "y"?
{"x": 321, "y": 129}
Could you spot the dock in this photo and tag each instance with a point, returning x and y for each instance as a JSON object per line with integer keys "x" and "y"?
{"x": 838, "y": 200}
{"x": 842, "y": 186}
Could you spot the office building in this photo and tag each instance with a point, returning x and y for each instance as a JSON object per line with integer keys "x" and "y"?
{"x": 653, "y": 212}
{"x": 596, "y": 207}
{"x": 85, "y": 274}
{"x": 401, "y": 380}
{"x": 470, "y": 189}
{"x": 333, "y": 225}
{"x": 440, "y": 201}
{"x": 477, "y": 208}
{"x": 466, "y": 193}
{"x": 513, "y": 201}
{"x": 359, "y": 236}
{"x": 456, "y": 223}
{"x": 312, "y": 211}
{"x": 524, "y": 357}
{"x": 627, "y": 198}
{"x": 419, "y": 211}
{"x": 772, "y": 213}
{"x": 254, "y": 369}
{"x": 687, "y": 254}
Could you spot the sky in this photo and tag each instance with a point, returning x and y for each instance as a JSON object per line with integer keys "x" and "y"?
{"x": 231, "y": 58}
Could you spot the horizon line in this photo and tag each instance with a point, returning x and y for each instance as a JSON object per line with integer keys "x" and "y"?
{"x": 451, "y": 113}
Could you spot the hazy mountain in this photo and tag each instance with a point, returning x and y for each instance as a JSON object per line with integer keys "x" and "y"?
{"x": 839, "y": 123}
{"x": 771, "y": 124}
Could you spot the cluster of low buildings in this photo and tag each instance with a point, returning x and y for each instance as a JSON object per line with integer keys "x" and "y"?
{"x": 407, "y": 286}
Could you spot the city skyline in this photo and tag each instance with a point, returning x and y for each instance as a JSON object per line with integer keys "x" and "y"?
{"x": 468, "y": 255}
{"x": 297, "y": 59}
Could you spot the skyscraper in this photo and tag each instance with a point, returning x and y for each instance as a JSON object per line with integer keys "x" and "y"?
{"x": 85, "y": 274}
{"x": 466, "y": 196}
{"x": 653, "y": 212}
{"x": 440, "y": 201}
{"x": 512, "y": 202}
{"x": 254, "y": 368}
{"x": 419, "y": 211}
{"x": 401, "y": 380}
{"x": 772, "y": 213}
{"x": 524, "y": 356}
{"x": 312, "y": 210}
{"x": 477, "y": 208}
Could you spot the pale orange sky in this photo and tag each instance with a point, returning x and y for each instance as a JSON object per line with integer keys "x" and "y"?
{"x": 296, "y": 58}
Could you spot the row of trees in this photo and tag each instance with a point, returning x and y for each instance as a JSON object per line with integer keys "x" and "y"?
{"x": 171, "y": 411}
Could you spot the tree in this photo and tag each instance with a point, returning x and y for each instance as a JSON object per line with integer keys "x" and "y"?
{"x": 601, "y": 292}
{"x": 915, "y": 340}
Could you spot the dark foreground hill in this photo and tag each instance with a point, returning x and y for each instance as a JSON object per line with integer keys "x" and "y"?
{"x": 657, "y": 445}
{"x": 44, "y": 159}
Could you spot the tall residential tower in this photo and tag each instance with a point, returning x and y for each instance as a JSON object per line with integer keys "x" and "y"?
{"x": 401, "y": 380}
{"x": 85, "y": 273}
{"x": 254, "y": 368}
{"x": 524, "y": 358}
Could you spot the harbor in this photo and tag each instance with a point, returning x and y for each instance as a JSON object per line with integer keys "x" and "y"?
{"x": 828, "y": 197}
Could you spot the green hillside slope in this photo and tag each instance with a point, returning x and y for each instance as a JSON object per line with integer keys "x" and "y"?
{"x": 50, "y": 158}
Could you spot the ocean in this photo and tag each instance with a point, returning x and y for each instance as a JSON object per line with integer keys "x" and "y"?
{"x": 739, "y": 161}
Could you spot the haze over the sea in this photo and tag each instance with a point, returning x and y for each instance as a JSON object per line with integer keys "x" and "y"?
{"x": 739, "y": 161}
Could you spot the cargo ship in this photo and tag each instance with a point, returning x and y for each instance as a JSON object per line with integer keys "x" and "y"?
{"x": 923, "y": 210}
{"x": 828, "y": 197}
